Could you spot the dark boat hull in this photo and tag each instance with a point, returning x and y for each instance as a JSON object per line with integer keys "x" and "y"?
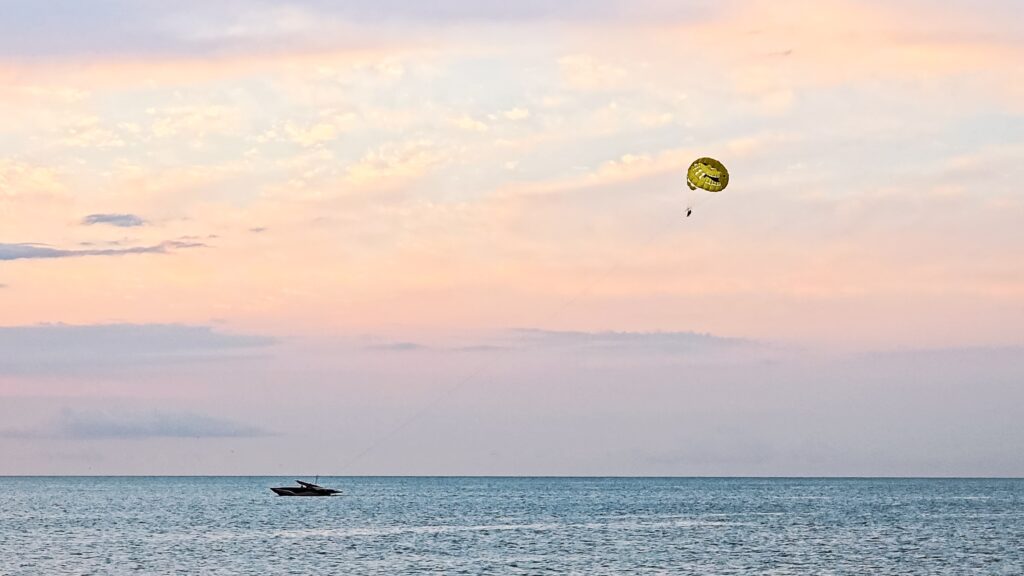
{"x": 301, "y": 492}
{"x": 304, "y": 491}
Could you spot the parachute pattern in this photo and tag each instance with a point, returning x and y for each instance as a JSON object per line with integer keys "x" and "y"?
{"x": 707, "y": 174}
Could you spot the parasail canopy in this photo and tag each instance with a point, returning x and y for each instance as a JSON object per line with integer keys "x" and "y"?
{"x": 707, "y": 174}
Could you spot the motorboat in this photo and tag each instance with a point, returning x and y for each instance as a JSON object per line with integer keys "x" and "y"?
{"x": 304, "y": 489}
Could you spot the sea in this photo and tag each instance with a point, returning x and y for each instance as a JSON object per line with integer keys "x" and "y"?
{"x": 591, "y": 526}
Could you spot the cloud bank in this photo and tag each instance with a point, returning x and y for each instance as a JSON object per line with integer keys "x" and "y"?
{"x": 27, "y": 251}
{"x": 635, "y": 340}
{"x": 121, "y": 424}
{"x": 120, "y": 220}
{"x": 60, "y": 348}
{"x": 67, "y": 28}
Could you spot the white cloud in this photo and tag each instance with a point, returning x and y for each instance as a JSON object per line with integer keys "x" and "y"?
{"x": 21, "y": 179}
{"x": 588, "y": 73}
{"x": 89, "y": 132}
{"x": 395, "y": 161}
{"x": 319, "y": 133}
{"x": 196, "y": 121}
{"x": 469, "y": 124}
{"x": 516, "y": 114}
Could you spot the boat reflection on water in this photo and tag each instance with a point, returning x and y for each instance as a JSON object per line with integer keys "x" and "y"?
{"x": 305, "y": 489}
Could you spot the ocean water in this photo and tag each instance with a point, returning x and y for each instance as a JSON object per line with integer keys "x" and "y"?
{"x": 590, "y": 526}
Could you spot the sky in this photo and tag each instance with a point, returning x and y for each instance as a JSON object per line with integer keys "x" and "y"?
{"x": 448, "y": 238}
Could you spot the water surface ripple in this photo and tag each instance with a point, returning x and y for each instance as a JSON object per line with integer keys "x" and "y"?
{"x": 590, "y": 526}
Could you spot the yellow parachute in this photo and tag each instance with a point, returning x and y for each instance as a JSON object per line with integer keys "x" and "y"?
{"x": 707, "y": 174}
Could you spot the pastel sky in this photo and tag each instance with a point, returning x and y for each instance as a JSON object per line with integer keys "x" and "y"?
{"x": 403, "y": 237}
